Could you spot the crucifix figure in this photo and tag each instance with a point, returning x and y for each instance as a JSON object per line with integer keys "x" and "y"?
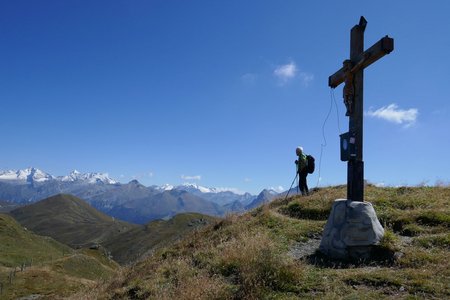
{"x": 348, "y": 92}
{"x": 352, "y": 75}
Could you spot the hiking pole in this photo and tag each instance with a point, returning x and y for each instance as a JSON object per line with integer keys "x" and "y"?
{"x": 296, "y": 174}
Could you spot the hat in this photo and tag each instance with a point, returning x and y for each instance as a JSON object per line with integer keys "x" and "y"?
{"x": 299, "y": 149}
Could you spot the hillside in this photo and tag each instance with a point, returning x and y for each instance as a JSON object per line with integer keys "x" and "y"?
{"x": 271, "y": 253}
{"x": 18, "y": 245}
{"x": 72, "y": 221}
{"x": 44, "y": 266}
{"x": 131, "y": 245}
{"x": 69, "y": 220}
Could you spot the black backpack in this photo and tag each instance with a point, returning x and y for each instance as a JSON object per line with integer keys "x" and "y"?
{"x": 311, "y": 164}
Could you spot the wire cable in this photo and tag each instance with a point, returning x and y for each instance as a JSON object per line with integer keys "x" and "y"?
{"x": 324, "y": 144}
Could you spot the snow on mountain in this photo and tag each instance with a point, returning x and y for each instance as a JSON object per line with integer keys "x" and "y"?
{"x": 9, "y": 175}
{"x": 272, "y": 191}
{"x": 31, "y": 175}
{"x": 88, "y": 177}
{"x": 192, "y": 186}
{"x": 27, "y": 175}
{"x": 165, "y": 187}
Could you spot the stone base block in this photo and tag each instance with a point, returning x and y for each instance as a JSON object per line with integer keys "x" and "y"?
{"x": 351, "y": 230}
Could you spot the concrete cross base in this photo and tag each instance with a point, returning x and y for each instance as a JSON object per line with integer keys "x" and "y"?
{"x": 351, "y": 231}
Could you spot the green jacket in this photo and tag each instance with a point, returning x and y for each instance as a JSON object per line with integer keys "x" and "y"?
{"x": 302, "y": 162}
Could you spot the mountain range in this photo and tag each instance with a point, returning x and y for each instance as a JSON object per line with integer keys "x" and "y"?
{"x": 132, "y": 201}
{"x": 33, "y": 175}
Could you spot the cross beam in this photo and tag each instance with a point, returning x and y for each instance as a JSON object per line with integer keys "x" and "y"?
{"x": 368, "y": 57}
{"x": 352, "y": 75}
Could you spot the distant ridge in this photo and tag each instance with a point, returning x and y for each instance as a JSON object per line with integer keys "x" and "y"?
{"x": 165, "y": 205}
{"x": 69, "y": 220}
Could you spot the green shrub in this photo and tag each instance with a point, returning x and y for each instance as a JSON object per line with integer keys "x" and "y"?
{"x": 302, "y": 211}
{"x": 389, "y": 241}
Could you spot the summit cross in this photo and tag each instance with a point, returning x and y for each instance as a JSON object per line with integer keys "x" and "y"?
{"x": 351, "y": 74}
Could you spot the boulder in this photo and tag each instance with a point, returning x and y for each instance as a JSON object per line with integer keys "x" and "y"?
{"x": 351, "y": 231}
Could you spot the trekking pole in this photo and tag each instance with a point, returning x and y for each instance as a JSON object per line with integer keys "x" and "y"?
{"x": 296, "y": 174}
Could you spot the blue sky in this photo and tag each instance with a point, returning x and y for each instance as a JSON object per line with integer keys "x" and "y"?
{"x": 220, "y": 92}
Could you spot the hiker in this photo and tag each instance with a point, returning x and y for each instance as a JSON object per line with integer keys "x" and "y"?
{"x": 302, "y": 170}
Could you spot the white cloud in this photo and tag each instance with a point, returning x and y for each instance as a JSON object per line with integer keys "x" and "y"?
{"x": 285, "y": 72}
{"x": 187, "y": 177}
{"x": 277, "y": 189}
{"x": 247, "y": 179}
{"x": 393, "y": 113}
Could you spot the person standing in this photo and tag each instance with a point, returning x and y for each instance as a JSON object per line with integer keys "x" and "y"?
{"x": 302, "y": 170}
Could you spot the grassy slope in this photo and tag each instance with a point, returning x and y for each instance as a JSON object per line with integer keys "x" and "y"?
{"x": 69, "y": 220}
{"x": 129, "y": 246}
{"x": 72, "y": 221}
{"x": 18, "y": 245}
{"x": 250, "y": 256}
{"x": 56, "y": 269}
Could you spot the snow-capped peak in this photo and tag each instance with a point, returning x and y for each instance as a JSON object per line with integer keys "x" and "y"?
{"x": 202, "y": 189}
{"x": 275, "y": 190}
{"x": 166, "y": 187}
{"x": 272, "y": 192}
{"x": 214, "y": 190}
{"x": 27, "y": 175}
{"x": 31, "y": 175}
{"x": 88, "y": 177}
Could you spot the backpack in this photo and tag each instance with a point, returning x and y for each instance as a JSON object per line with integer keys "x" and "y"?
{"x": 311, "y": 164}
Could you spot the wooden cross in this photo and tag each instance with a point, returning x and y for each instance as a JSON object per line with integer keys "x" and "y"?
{"x": 352, "y": 75}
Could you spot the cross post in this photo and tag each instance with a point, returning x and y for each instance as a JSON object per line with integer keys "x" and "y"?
{"x": 352, "y": 75}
